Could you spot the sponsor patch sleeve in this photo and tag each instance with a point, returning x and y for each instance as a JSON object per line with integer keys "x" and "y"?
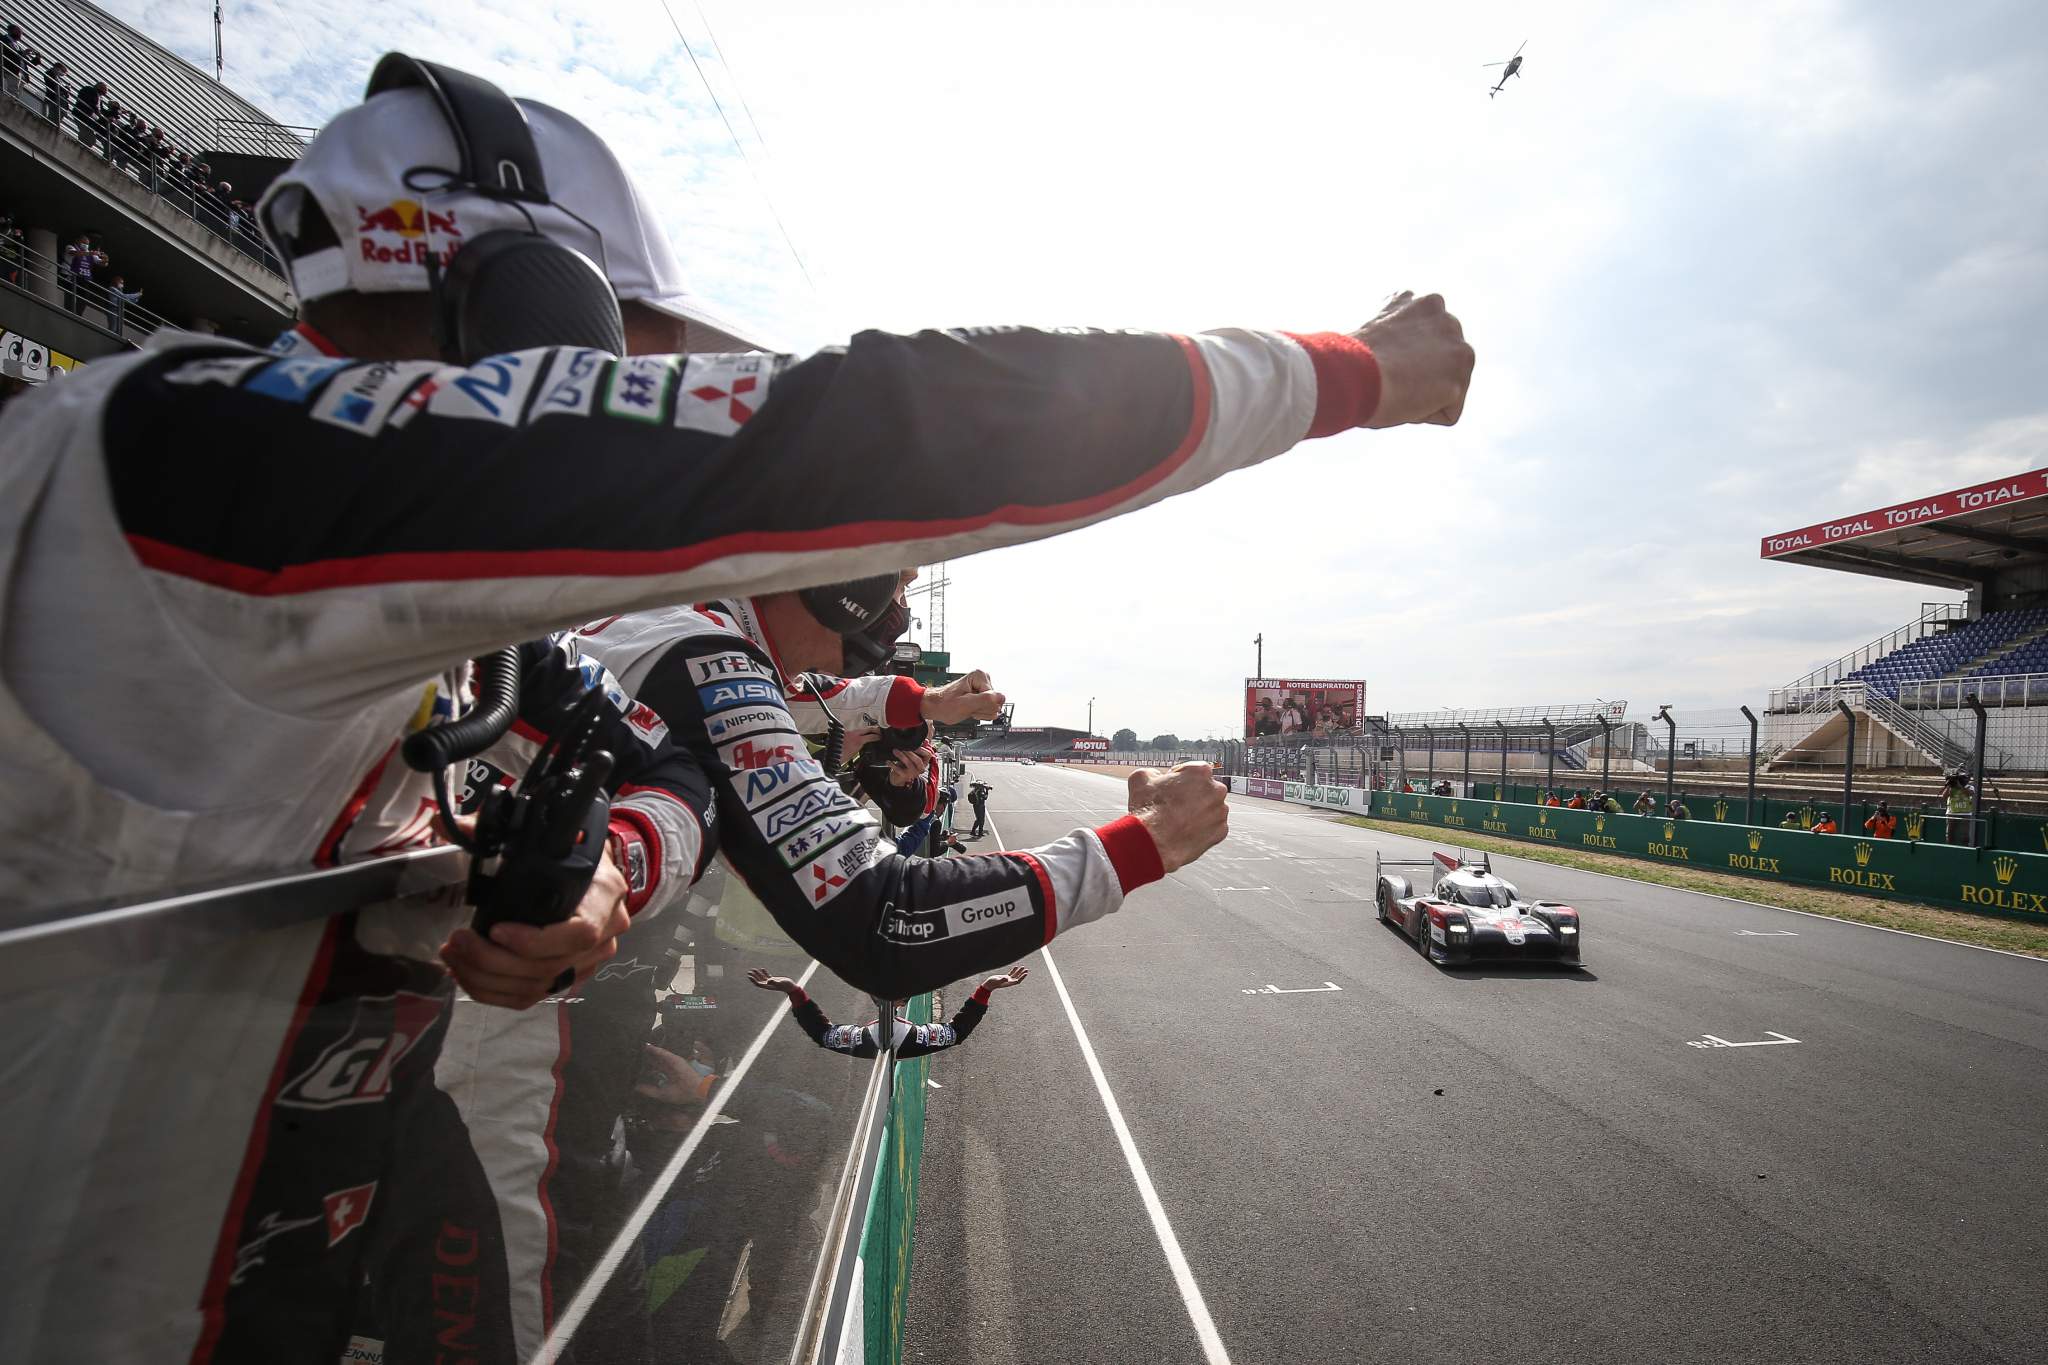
{"x": 886, "y": 923}
{"x": 422, "y": 513}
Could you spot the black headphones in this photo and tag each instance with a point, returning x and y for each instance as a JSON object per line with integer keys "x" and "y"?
{"x": 508, "y": 290}
{"x": 864, "y": 613}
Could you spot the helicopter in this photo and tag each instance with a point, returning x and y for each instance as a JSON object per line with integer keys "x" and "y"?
{"x": 1513, "y": 65}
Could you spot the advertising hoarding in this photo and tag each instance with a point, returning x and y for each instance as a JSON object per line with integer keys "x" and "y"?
{"x": 1310, "y": 708}
{"x": 1091, "y": 746}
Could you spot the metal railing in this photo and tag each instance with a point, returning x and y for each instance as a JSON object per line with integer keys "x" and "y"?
{"x": 1933, "y": 615}
{"x": 151, "y": 167}
{"x": 22, "y": 267}
{"x": 2019, "y": 689}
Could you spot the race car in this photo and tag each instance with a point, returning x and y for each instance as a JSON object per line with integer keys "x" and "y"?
{"x": 1471, "y": 914}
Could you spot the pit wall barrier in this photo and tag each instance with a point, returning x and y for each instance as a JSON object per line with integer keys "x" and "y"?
{"x": 1987, "y": 881}
{"x": 892, "y": 1209}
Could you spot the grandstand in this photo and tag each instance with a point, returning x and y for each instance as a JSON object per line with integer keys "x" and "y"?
{"x": 1043, "y": 741}
{"x": 1916, "y": 685}
{"x": 197, "y": 260}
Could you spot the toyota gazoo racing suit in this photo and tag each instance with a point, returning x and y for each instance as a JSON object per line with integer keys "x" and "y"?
{"x": 887, "y": 924}
{"x": 865, "y": 1040}
{"x": 228, "y": 583}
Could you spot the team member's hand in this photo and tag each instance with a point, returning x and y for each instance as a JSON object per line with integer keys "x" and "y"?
{"x": 1425, "y": 365}
{"x": 906, "y": 766}
{"x": 517, "y": 967}
{"x": 965, "y": 698}
{"x": 759, "y": 976}
{"x": 1183, "y": 810}
{"x": 1013, "y": 977}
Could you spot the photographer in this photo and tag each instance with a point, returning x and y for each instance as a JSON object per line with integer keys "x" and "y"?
{"x": 977, "y": 797}
{"x": 263, "y": 630}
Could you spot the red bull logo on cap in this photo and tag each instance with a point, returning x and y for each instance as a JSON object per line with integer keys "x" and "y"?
{"x": 412, "y": 223}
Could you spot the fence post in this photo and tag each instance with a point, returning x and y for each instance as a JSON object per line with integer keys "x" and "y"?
{"x": 1468, "y": 757}
{"x": 1429, "y": 732}
{"x": 1606, "y": 755}
{"x": 1977, "y": 801}
{"x": 1848, "y": 763}
{"x": 1670, "y": 754}
{"x": 1749, "y": 801}
{"x": 1500, "y": 793}
{"x": 1550, "y": 772}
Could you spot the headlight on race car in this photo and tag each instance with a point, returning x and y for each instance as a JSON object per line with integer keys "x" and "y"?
{"x": 1461, "y": 928}
{"x": 1567, "y": 928}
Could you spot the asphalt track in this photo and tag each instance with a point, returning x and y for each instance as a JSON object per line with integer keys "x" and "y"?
{"x": 1486, "y": 1165}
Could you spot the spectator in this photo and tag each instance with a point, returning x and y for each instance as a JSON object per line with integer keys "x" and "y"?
{"x": 85, "y": 258}
{"x": 56, "y": 94}
{"x": 1407, "y": 787}
{"x": 1551, "y": 800}
{"x": 977, "y": 797}
{"x": 1825, "y": 825}
{"x": 1609, "y": 804}
{"x": 1646, "y": 804}
{"x": 118, "y": 299}
{"x": 87, "y": 111}
{"x": 13, "y": 61}
{"x": 1578, "y": 801}
{"x": 1882, "y": 822}
{"x": 1678, "y": 810}
{"x": 1959, "y": 800}
{"x": 1795, "y": 819}
{"x": 13, "y": 255}
{"x": 1443, "y": 787}
{"x": 865, "y": 1040}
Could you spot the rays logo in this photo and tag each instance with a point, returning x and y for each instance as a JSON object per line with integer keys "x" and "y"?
{"x": 791, "y": 814}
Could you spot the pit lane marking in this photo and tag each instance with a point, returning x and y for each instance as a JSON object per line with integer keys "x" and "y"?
{"x": 1775, "y": 1039}
{"x": 1765, "y": 933}
{"x": 1323, "y": 989}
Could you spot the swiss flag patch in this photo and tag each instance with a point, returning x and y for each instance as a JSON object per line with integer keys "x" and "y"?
{"x": 346, "y": 1210}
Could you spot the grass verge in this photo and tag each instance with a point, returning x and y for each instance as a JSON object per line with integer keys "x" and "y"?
{"x": 2014, "y": 936}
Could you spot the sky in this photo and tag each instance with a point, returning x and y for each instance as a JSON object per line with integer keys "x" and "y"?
{"x": 1728, "y": 270}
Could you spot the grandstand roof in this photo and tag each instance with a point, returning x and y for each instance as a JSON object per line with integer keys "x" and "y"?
{"x": 1964, "y": 538}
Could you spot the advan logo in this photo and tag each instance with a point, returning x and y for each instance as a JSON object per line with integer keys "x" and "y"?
{"x": 357, "y": 1068}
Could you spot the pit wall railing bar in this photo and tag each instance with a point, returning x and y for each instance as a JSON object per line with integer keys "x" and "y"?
{"x": 1992, "y": 882}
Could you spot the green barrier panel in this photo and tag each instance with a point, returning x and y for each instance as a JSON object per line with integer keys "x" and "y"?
{"x": 1992, "y": 881}
{"x": 892, "y": 1208}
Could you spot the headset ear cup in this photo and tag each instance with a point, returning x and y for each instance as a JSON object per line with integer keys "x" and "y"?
{"x": 514, "y": 291}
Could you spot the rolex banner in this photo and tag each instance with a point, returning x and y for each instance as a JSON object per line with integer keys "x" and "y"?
{"x": 1989, "y": 880}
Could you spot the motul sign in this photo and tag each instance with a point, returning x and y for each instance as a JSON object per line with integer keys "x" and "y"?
{"x": 1094, "y": 746}
{"x": 2019, "y": 488}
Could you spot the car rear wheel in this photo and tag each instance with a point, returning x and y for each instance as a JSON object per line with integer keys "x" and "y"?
{"x": 1379, "y": 902}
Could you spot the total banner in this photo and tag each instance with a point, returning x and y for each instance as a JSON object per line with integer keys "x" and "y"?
{"x": 1992, "y": 881}
{"x": 1285, "y": 706}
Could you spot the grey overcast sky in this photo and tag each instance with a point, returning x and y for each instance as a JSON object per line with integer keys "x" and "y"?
{"x": 1729, "y": 269}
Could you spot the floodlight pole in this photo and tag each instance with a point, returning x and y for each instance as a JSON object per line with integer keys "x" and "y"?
{"x": 1550, "y": 772}
{"x": 1670, "y": 755}
{"x": 1260, "y": 641}
{"x": 1468, "y": 757}
{"x": 1848, "y": 761}
{"x": 1977, "y": 802}
{"x": 1749, "y": 801}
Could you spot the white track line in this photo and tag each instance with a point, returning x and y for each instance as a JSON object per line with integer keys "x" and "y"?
{"x": 1183, "y": 1277}
{"x": 572, "y": 1317}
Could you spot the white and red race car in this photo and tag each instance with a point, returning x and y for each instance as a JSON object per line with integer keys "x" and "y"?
{"x": 1473, "y": 914}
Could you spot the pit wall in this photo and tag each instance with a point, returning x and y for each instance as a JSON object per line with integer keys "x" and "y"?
{"x": 1988, "y": 881}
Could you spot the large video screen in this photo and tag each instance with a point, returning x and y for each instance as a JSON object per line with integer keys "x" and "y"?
{"x": 1278, "y": 707}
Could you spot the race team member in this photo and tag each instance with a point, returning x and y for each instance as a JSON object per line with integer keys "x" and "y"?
{"x": 263, "y": 628}
{"x": 885, "y": 923}
{"x": 865, "y": 1040}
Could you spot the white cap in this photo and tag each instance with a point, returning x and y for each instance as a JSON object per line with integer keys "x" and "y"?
{"x": 355, "y": 173}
